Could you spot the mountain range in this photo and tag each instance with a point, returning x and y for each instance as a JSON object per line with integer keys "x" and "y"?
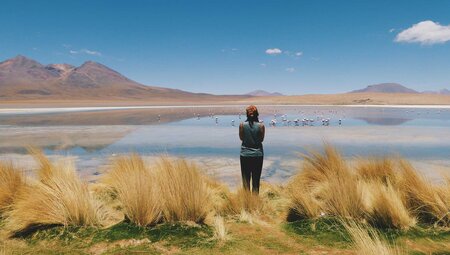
{"x": 24, "y": 78}
{"x": 263, "y": 93}
{"x": 396, "y": 88}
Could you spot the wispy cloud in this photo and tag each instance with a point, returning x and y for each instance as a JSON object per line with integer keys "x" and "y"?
{"x": 290, "y": 69}
{"x": 86, "y": 51}
{"x": 425, "y": 32}
{"x": 263, "y": 64}
{"x": 277, "y": 51}
{"x": 392, "y": 30}
{"x": 233, "y": 50}
{"x": 274, "y": 51}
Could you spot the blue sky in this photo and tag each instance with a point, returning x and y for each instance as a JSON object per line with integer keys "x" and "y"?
{"x": 222, "y": 46}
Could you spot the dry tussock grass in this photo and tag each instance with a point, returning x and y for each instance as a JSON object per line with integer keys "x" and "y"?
{"x": 388, "y": 209}
{"x": 219, "y": 196}
{"x": 385, "y": 192}
{"x": 243, "y": 200}
{"x": 169, "y": 190}
{"x": 220, "y": 229}
{"x": 368, "y": 241}
{"x": 183, "y": 190}
{"x": 377, "y": 169}
{"x": 325, "y": 185}
{"x": 303, "y": 204}
{"x": 137, "y": 190}
{"x": 11, "y": 180}
{"x": 344, "y": 198}
{"x": 423, "y": 198}
{"x": 59, "y": 197}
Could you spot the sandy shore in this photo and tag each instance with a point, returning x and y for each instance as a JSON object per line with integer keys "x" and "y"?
{"x": 311, "y": 99}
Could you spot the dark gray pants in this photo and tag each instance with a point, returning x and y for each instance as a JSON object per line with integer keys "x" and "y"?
{"x": 251, "y": 168}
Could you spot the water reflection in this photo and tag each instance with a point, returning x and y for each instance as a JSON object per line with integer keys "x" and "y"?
{"x": 88, "y": 138}
{"x": 208, "y": 135}
{"x": 385, "y": 121}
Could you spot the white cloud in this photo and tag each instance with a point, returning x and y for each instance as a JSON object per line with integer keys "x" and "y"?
{"x": 86, "y": 51}
{"x": 290, "y": 69}
{"x": 91, "y": 52}
{"x": 425, "y": 32}
{"x": 391, "y": 30}
{"x": 298, "y": 54}
{"x": 274, "y": 51}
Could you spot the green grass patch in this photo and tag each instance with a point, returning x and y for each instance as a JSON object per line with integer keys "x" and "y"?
{"x": 178, "y": 234}
{"x": 327, "y": 231}
{"x": 418, "y": 232}
{"x": 331, "y": 232}
{"x": 139, "y": 249}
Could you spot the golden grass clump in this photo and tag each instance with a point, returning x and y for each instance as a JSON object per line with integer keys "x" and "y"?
{"x": 183, "y": 191}
{"x": 368, "y": 241}
{"x": 325, "y": 185}
{"x": 219, "y": 196}
{"x": 320, "y": 167}
{"x": 303, "y": 204}
{"x": 220, "y": 229}
{"x": 170, "y": 190}
{"x": 137, "y": 189}
{"x": 377, "y": 169}
{"x": 59, "y": 197}
{"x": 424, "y": 199}
{"x": 243, "y": 200}
{"x": 345, "y": 199}
{"x": 388, "y": 209}
{"x": 374, "y": 191}
{"x": 11, "y": 181}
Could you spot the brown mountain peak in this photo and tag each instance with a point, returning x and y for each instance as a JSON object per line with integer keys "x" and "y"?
{"x": 20, "y": 61}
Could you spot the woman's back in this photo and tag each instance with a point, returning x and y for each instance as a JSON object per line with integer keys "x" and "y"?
{"x": 252, "y": 140}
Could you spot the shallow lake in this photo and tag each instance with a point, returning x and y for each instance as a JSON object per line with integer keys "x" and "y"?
{"x": 209, "y": 135}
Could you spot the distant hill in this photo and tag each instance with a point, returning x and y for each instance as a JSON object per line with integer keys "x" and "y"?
{"x": 385, "y": 88}
{"x": 24, "y": 78}
{"x": 439, "y": 92}
{"x": 263, "y": 93}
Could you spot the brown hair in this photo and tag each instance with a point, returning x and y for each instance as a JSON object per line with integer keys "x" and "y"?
{"x": 252, "y": 114}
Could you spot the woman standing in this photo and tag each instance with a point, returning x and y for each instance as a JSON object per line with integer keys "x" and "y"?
{"x": 251, "y": 133}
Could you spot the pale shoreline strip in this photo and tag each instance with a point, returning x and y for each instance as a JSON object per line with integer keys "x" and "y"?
{"x": 107, "y": 108}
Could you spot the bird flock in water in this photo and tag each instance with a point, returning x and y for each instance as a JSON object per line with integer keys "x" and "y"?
{"x": 284, "y": 121}
{"x": 318, "y": 120}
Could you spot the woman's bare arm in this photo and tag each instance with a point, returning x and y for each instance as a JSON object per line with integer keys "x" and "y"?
{"x": 263, "y": 132}
{"x": 241, "y": 131}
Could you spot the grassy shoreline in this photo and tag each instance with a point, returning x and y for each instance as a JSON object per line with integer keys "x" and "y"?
{"x": 170, "y": 207}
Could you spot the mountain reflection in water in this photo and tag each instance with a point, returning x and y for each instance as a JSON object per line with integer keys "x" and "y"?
{"x": 384, "y": 121}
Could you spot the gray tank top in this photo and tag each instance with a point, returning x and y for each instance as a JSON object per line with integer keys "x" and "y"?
{"x": 251, "y": 142}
